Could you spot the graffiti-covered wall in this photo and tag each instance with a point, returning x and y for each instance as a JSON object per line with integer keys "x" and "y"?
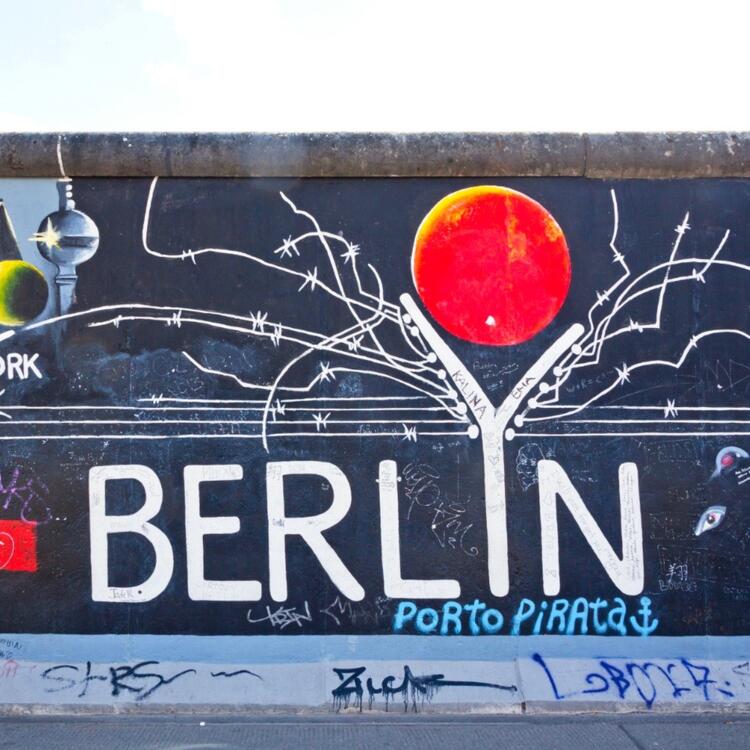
{"x": 368, "y": 444}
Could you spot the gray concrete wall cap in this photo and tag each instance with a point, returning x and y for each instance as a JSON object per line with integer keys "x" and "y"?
{"x": 606, "y": 156}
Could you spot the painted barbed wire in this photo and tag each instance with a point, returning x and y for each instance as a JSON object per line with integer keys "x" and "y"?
{"x": 589, "y": 350}
{"x": 359, "y": 344}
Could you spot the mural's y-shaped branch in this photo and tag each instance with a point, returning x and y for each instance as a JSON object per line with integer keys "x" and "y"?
{"x": 493, "y": 429}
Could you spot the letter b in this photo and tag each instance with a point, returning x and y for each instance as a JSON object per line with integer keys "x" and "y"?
{"x": 101, "y": 526}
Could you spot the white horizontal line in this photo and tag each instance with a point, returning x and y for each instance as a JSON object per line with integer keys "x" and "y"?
{"x": 673, "y": 434}
{"x": 222, "y": 408}
{"x": 21, "y": 422}
{"x": 646, "y": 408}
{"x": 361, "y": 408}
{"x": 200, "y": 436}
{"x": 17, "y": 407}
{"x": 665, "y": 420}
{"x": 159, "y": 399}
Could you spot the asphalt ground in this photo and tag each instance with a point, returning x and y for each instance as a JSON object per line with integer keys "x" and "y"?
{"x": 584, "y": 732}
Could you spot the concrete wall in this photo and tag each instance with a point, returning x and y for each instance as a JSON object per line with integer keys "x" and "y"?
{"x": 365, "y": 423}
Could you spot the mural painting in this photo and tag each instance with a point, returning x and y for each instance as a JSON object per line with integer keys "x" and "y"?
{"x": 509, "y": 412}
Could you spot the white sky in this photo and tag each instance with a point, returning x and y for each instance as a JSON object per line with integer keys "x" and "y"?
{"x": 406, "y": 65}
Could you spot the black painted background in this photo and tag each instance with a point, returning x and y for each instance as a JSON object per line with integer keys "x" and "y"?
{"x": 117, "y": 366}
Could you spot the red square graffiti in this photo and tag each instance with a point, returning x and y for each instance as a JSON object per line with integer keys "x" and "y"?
{"x": 18, "y": 546}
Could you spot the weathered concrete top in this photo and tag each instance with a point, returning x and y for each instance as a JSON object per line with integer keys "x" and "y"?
{"x": 615, "y": 155}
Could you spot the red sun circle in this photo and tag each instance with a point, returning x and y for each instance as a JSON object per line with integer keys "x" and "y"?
{"x": 491, "y": 265}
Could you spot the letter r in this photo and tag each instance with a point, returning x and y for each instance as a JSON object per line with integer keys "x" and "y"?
{"x": 310, "y": 528}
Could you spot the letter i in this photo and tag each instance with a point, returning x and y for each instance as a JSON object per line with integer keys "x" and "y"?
{"x": 539, "y": 617}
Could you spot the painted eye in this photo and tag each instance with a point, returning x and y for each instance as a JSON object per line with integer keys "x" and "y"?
{"x": 710, "y": 519}
{"x": 727, "y": 460}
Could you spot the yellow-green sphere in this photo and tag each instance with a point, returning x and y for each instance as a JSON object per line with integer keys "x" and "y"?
{"x": 23, "y": 292}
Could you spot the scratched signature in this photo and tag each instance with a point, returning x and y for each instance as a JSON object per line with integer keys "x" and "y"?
{"x": 283, "y": 617}
{"x": 446, "y": 517}
{"x": 26, "y": 496}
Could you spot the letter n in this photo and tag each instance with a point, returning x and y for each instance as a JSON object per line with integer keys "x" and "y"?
{"x": 626, "y": 573}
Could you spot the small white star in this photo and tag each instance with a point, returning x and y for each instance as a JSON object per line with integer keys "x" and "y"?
{"x": 258, "y": 321}
{"x": 311, "y": 278}
{"x": 325, "y": 372}
{"x": 410, "y": 434}
{"x": 635, "y": 326}
{"x": 682, "y": 228}
{"x": 354, "y": 343}
{"x": 286, "y": 250}
{"x": 623, "y": 375}
{"x": 321, "y": 421}
{"x": 276, "y": 335}
{"x": 351, "y": 253}
{"x": 49, "y": 237}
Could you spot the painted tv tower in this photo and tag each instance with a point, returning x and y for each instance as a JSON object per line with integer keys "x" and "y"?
{"x": 67, "y": 237}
